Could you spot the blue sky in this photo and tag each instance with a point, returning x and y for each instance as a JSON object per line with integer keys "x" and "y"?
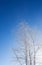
{"x": 11, "y": 13}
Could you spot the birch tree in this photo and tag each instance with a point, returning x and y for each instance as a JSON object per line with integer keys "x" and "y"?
{"x": 25, "y": 54}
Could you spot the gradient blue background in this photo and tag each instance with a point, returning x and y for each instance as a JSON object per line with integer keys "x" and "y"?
{"x": 11, "y": 13}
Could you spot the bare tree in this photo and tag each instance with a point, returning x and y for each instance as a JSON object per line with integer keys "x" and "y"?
{"x": 26, "y": 53}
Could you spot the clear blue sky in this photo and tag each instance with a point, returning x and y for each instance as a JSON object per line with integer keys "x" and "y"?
{"x": 11, "y": 13}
